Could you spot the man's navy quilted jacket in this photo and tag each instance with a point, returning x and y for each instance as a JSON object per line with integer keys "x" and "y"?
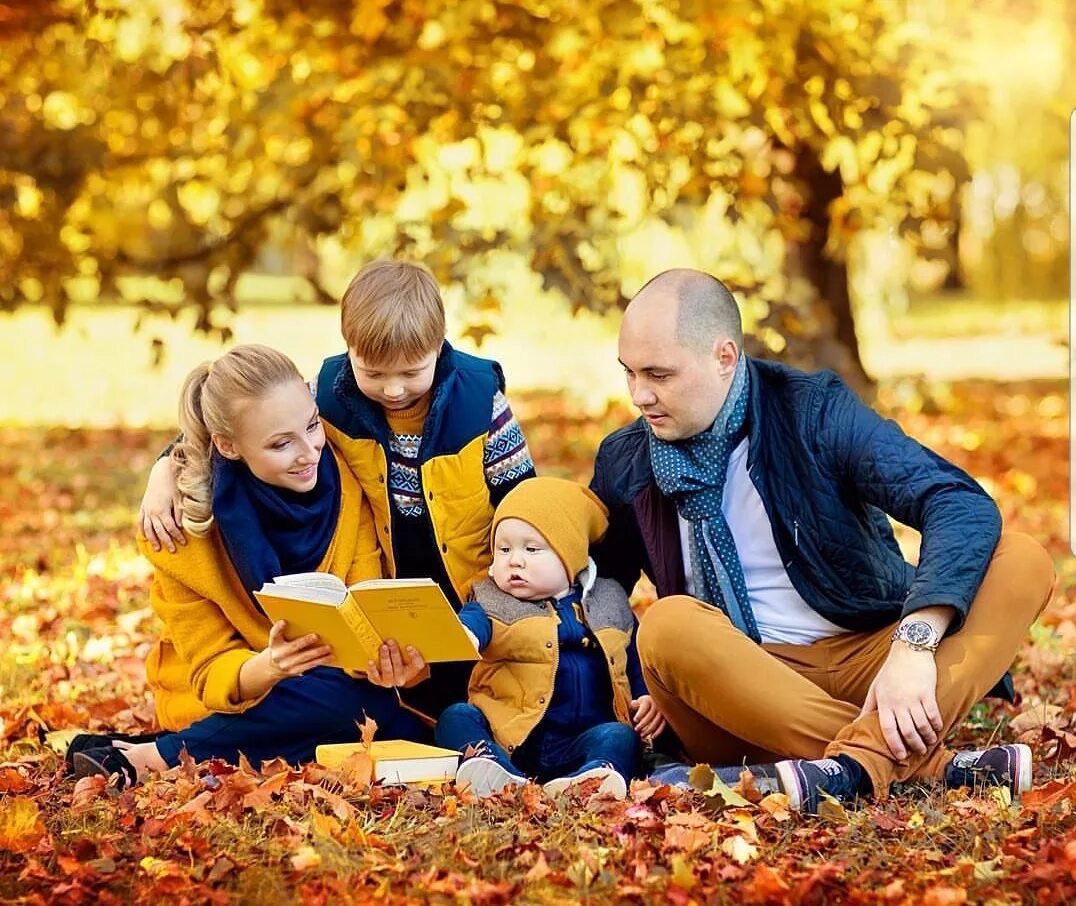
{"x": 828, "y": 469}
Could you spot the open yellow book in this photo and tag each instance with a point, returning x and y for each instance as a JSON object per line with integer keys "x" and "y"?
{"x": 355, "y": 621}
{"x": 396, "y": 760}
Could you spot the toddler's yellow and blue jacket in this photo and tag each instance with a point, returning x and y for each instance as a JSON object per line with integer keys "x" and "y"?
{"x": 538, "y": 659}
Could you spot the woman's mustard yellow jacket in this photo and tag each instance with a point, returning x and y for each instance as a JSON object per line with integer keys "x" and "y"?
{"x": 211, "y": 626}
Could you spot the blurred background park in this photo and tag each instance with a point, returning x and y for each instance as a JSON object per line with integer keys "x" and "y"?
{"x": 884, "y": 183}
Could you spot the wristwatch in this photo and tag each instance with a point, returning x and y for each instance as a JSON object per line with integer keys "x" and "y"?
{"x": 917, "y": 634}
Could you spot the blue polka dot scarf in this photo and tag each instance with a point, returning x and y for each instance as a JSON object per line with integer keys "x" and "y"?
{"x": 692, "y": 473}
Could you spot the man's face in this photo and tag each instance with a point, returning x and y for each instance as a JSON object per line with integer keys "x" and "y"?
{"x": 678, "y": 389}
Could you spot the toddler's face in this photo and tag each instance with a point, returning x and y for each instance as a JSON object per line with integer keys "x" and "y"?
{"x": 396, "y": 383}
{"x": 524, "y": 565}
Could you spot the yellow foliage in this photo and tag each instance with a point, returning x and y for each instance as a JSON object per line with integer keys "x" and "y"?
{"x": 21, "y": 826}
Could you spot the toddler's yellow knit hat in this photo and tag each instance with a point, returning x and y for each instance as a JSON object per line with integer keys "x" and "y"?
{"x": 569, "y": 516}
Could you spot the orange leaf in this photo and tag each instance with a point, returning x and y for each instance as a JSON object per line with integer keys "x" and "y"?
{"x": 87, "y": 790}
{"x": 369, "y": 729}
{"x": 358, "y": 769}
{"x": 1054, "y": 792}
{"x": 945, "y": 896}
{"x": 765, "y": 885}
{"x": 13, "y": 781}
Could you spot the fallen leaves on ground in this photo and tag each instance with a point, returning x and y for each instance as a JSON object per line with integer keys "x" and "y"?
{"x": 76, "y": 630}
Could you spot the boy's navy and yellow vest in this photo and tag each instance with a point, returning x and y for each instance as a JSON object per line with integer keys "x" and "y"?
{"x": 451, "y": 456}
{"x": 513, "y": 683}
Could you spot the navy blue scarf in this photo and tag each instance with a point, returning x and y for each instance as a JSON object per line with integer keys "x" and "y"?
{"x": 270, "y": 531}
{"x": 692, "y": 473}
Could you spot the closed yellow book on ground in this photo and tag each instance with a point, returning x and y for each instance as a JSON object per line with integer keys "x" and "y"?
{"x": 355, "y": 621}
{"x": 396, "y": 760}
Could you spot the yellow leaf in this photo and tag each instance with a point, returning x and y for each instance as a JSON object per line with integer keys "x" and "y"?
{"x": 820, "y": 114}
{"x": 831, "y": 809}
{"x": 777, "y": 805}
{"x": 61, "y": 110}
{"x": 20, "y": 825}
{"x": 739, "y": 849}
{"x": 305, "y": 858}
{"x": 729, "y": 101}
{"x": 682, "y": 874}
{"x": 324, "y": 825}
{"x": 27, "y": 199}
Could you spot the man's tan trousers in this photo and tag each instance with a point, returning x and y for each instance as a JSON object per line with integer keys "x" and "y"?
{"x": 729, "y": 699}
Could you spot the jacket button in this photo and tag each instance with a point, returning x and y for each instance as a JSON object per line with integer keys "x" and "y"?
{"x": 541, "y": 701}
{"x": 384, "y": 529}
{"x": 548, "y": 644}
{"x": 444, "y": 548}
{"x": 430, "y": 495}
{"x": 381, "y": 479}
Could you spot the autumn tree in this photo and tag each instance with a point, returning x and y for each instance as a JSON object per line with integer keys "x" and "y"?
{"x": 601, "y": 141}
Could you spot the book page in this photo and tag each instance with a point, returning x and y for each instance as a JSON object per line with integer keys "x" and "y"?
{"x": 310, "y": 594}
{"x": 391, "y": 583}
{"x": 313, "y": 580}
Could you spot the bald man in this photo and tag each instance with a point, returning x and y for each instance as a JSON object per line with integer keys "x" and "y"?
{"x": 789, "y": 625}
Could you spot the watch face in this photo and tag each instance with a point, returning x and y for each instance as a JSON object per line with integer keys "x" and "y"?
{"x": 918, "y": 633}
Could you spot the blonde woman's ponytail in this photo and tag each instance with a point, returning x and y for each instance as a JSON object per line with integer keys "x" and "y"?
{"x": 207, "y": 405}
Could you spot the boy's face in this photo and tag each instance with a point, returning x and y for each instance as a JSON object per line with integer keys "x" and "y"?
{"x": 396, "y": 383}
{"x": 524, "y": 565}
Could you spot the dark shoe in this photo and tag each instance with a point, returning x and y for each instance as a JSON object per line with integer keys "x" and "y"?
{"x": 86, "y": 741}
{"x": 108, "y": 761}
{"x": 805, "y": 781}
{"x": 997, "y": 766}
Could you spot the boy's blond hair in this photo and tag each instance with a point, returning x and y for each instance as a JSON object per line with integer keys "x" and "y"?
{"x": 390, "y": 309}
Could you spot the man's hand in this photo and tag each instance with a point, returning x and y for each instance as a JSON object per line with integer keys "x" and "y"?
{"x": 648, "y": 720}
{"x": 395, "y": 667}
{"x": 904, "y": 693}
{"x": 161, "y": 514}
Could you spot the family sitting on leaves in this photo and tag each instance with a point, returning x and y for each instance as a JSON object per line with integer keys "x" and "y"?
{"x": 789, "y": 632}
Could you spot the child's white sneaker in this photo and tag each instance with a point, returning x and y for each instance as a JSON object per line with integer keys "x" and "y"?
{"x": 612, "y": 786}
{"x": 484, "y": 776}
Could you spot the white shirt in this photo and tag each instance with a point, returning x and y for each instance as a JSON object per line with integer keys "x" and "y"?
{"x": 780, "y": 612}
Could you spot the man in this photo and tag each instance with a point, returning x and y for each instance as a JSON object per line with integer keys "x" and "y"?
{"x": 788, "y": 624}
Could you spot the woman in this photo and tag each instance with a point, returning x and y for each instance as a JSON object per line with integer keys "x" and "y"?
{"x": 262, "y": 497}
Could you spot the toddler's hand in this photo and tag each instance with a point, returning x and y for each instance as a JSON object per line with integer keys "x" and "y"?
{"x": 648, "y": 720}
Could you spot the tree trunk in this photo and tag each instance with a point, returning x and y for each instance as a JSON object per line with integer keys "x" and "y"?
{"x": 828, "y": 276}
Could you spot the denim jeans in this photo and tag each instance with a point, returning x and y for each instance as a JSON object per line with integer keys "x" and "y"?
{"x": 298, "y": 714}
{"x": 545, "y": 754}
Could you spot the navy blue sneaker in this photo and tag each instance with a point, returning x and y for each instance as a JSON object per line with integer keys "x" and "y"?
{"x": 804, "y": 781}
{"x": 1007, "y": 766}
